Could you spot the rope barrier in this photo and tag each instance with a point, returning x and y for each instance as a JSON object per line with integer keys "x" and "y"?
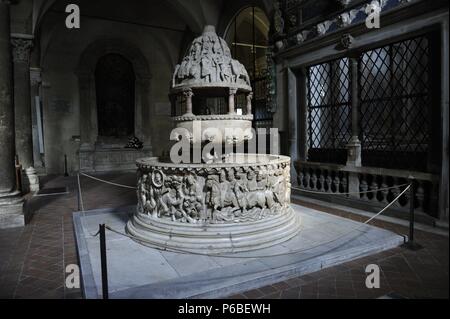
{"x": 164, "y": 248}
{"x": 79, "y": 193}
{"x": 349, "y": 193}
{"x": 107, "y": 182}
{"x": 80, "y": 197}
{"x": 299, "y": 189}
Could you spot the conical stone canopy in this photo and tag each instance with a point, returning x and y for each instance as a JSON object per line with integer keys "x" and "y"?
{"x": 209, "y": 64}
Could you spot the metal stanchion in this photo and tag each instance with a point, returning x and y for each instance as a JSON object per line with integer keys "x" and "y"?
{"x": 19, "y": 186}
{"x": 103, "y": 261}
{"x": 411, "y": 244}
{"x": 77, "y": 187}
{"x": 65, "y": 166}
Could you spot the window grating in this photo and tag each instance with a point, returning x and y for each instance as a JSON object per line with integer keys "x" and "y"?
{"x": 394, "y": 105}
{"x": 329, "y": 111}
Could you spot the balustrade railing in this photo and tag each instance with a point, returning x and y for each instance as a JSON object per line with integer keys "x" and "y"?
{"x": 367, "y": 184}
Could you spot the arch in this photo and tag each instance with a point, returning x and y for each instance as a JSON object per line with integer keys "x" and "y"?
{"x": 189, "y": 16}
{"x": 86, "y": 80}
{"x": 247, "y": 34}
{"x": 241, "y": 39}
{"x": 233, "y": 8}
{"x": 94, "y": 51}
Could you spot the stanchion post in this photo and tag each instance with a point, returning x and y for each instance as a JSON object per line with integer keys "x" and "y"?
{"x": 411, "y": 244}
{"x": 103, "y": 261}
{"x": 411, "y": 209}
{"x": 78, "y": 193}
{"x": 65, "y": 166}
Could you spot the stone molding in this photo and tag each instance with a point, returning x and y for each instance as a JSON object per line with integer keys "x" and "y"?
{"x": 341, "y": 21}
{"x": 213, "y": 117}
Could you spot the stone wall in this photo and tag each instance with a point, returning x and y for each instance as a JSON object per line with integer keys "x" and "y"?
{"x": 61, "y": 87}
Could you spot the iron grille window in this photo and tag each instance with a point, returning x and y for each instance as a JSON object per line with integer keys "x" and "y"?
{"x": 329, "y": 111}
{"x": 395, "y": 105}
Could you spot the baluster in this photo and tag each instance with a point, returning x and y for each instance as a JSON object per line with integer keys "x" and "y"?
{"x": 308, "y": 180}
{"x": 384, "y": 192}
{"x": 373, "y": 187}
{"x": 322, "y": 181}
{"x": 314, "y": 180}
{"x": 420, "y": 195}
{"x": 300, "y": 179}
{"x": 396, "y": 192}
{"x": 336, "y": 182}
{"x": 329, "y": 181}
{"x": 344, "y": 184}
{"x": 363, "y": 187}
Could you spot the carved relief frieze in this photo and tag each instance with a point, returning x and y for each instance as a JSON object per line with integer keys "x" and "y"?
{"x": 213, "y": 194}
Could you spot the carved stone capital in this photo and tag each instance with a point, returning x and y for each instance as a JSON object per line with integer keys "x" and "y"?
{"x": 21, "y": 49}
{"x": 35, "y": 76}
{"x": 188, "y": 93}
{"x": 345, "y": 42}
{"x": 233, "y": 91}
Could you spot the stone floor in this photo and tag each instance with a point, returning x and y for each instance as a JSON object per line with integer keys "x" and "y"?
{"x": 33, "y": 259}
{"x": 323, "y": 240}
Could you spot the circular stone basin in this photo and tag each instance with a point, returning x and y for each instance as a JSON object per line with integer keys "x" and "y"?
{"x": 241, "y": 204}
{"x": 223, "y": 128}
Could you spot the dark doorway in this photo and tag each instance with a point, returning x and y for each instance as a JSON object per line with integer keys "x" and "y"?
{"x": 114, "y": 82}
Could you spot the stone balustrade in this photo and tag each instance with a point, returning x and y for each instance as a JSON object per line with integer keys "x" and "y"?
{"x": 368, "y": 185}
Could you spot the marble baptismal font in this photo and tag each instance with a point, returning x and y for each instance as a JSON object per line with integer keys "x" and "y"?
{"x": 218, "y": 203}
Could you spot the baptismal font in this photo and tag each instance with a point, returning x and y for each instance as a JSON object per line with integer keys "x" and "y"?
{"x": 217, "y": 203}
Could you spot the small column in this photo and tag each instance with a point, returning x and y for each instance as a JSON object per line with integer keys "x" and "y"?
{"x": 249, "y": 103}
{"x": 188, "y": 94}
{"x": 11, "y": 203}
{"x": 232, "y": 93}
{"x": 354, "y": 146}
{"x": 35, "y": 82}
{"x": 21, "y": 45}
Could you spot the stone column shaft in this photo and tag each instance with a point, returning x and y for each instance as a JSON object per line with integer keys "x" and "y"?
{"x": 35, "y": 82}
{"x": 11, "y": 204}
{"x": 21, "y": 45}
{"x": 355, "y": 95}
{"x": 7, "y": 168}
{"x": 249, "y": 103}
{"x": 22, "y": 100}
{"x": 231, "y": 107}
{"x": 354, "y": 146}
{"x": 188, "y": 94}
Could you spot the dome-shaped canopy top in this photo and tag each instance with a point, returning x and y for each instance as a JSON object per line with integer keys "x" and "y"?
{"x": 209, "y": 64}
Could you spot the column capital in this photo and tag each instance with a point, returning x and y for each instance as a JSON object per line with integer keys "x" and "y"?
{"x": 188, "y": 93}
{"x": 35, "y": 76}
{"x": 233, "y": 91}
{"x": 21, "y": 49}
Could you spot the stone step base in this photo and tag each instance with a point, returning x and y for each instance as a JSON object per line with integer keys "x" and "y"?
{"x": 215, "y": 238}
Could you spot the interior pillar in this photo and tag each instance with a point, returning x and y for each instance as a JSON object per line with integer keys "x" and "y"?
{"x": 11, "y": 203}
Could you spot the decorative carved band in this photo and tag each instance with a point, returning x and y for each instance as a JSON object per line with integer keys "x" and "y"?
{"x": 221, "y": 194}
{"x": 212, "y": 117}
{"x": 21, "y": 49}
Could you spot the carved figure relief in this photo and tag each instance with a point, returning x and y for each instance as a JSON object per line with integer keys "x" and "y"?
{"x": 233, "y": 194}
{"x": 209, "y": 61}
